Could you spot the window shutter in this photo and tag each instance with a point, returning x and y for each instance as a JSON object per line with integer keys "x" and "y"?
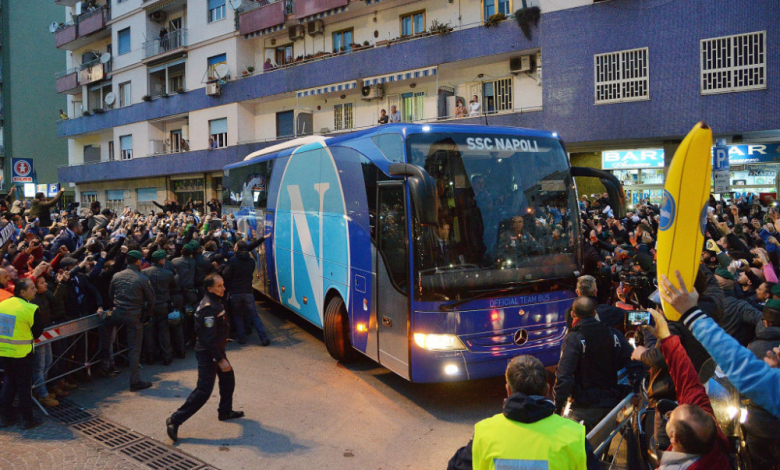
{"x": 285, "y": 124}
{"x": 124, "y": 41}
{"x": 126, "y": 142}
{"x": 216, "y": 4}
{"x": 218, "y": 126}
{"x": 115, "y": 194}
{"x": 147, "y": 194}
{"x": 217, "y": 59}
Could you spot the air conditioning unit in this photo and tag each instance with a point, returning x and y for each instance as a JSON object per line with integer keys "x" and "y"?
{"x": 372, "y": 92}
{"x": 297, "y": 32}
{"x": 158, "y": 16}
{"x": 212, "y": 89}
{"x": 315, "y": 27}
{"x": 523, "y": 63}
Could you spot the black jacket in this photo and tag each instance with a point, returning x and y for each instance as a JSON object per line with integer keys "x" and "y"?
{"x": 163, "y": 283}
{"x": 132, "y": 292}
{"x": 524, "y": 409}
{"x": 238, "y": 273}
{"x": 740, "y": 320}
{"x": 211, "y": 327}
{"x": 185, "y": 272}
{"x": 591, "y": 356}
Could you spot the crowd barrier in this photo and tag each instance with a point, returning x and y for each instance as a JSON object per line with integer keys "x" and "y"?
{"x": 79, "y": 330}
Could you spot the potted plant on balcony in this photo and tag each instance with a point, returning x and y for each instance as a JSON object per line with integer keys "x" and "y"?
{"x": 146, "y": 98}
{"x": 98, "y": 111}
{"x": 440, "y": 28}
{"x": 165, "y": 95}
{"x": 181, "y": 90}
{"x": 250, "y": 69}
{"x": 493, "y": 20}
{"x": 86, "y": 113}
{"x": 527, "y": 17}
{"x": 366, "y": 44}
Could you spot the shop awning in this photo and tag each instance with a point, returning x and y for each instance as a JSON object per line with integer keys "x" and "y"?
{"x": 321, "y": 90}
{"x": 399, "y": 76}
{"x": 306, "y": 11}
{"x": 270, "y": 30}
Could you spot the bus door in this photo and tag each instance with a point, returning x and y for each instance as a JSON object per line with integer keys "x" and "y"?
{"x": 392, "y": 280}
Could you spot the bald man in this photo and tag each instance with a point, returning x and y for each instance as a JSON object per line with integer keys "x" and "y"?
{"x": 4, "y": 278}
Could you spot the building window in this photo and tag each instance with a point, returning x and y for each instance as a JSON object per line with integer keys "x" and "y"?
{"x": 412, "y": 105}
{"x": 343, "y": 117}
{"x": 146, "y": 194}
{"x": 213, "y": 62}
{"x": 123, "y": 38}
{"x": 413, "y": 23}
{"x": 115, "y": 195}
{"x": 111, "y": 150}
{"x": 285, "y": 124}
{"x": 622, "y": 76}
{"x": 218, "y": 133}
{"x": 733, "y": 63}
{"x": 489, "y": 8}
{"x": 88, "y": 197}
{"x": 342, "y": 40}
{"x": 497, "y": 95}
{"x": 216, "y": 10}
{"x": 126, "y": 145}
{"x": 283, "y": 54}
{"x": 125, "y": 94}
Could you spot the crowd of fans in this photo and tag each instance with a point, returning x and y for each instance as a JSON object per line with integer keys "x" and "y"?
{"x": 147, "y": 272}
{"x": 143, "y": 271}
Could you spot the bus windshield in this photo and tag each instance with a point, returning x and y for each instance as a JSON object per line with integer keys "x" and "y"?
{"x": 506, "y": 214}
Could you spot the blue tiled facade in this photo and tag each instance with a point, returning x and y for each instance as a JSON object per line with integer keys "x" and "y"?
{"x": 569, "y": 39}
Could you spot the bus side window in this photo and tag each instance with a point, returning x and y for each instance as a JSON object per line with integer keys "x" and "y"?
{"x": 391, "y": 146}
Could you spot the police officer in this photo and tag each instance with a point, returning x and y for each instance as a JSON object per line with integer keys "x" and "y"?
{"x": 184, "y": 267}
{"x": 157, "y": 339}
{"x": 20, "y": 324}
{"x": 527, "y": 434}
{"x": 133, "y": 306}
{"x": 591, "y": 356}
{"x": 212, "y": 329}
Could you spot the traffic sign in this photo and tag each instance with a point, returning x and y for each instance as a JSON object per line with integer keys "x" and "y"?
{"x": 22, "y": 170}
{"x": 54, "y": 189}
{"x": 720, "y": 169}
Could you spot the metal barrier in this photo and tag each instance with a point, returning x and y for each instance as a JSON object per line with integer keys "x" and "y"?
{"x": 79, "y": 328}
{"x": 601, "y": 436}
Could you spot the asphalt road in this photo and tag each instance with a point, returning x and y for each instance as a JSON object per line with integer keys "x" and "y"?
{"x": 303, "y": 409}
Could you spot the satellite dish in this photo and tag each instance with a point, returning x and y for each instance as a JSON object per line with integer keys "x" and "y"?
{"x": 53, "y": 27}
{"x": 105, "y": 58}
{"x": 110, "y": 98}
{"x": 235, "y": 4}
{"x": 221, "y": 70}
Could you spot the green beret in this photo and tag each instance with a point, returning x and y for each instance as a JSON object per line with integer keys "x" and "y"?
{"x": 194, "y": 245}
{"x": 135, "y": 254}
{"x": 159, "y": 254}
{"x": 773, "y": 304}
{"x": 724, "y": 273}
{"x": 775, "y": 288}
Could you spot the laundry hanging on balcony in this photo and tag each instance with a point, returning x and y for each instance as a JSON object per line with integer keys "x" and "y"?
{"x": 400, "y": 76}
{"x": 321, "y": 90}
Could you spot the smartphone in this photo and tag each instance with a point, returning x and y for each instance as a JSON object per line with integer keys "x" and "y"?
{"x": 639, "y": 317}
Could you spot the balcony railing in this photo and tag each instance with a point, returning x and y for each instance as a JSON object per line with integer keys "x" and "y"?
{"x": 170, "y": 41}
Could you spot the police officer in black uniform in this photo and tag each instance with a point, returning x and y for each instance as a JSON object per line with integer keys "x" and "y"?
{"x": 212, "y": 329}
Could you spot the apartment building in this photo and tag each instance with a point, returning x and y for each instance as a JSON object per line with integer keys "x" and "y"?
{"x": 28, "y": 104}
{"x": 163, "y": 93}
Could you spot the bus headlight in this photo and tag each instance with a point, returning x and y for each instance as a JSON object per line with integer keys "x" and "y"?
{"x": 438, "y": 342}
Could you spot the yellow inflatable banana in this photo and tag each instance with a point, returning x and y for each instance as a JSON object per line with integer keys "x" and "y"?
{"x": 684, "y": 210}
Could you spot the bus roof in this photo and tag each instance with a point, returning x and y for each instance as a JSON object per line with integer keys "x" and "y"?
{"x": 398, "y": 128}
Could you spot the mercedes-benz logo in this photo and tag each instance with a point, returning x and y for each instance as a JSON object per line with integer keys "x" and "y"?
{"x": 521, "y": 337}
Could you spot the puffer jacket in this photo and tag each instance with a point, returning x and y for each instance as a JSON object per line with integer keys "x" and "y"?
{"x": 163, "y": 283}
{"x": 132, "y": 292}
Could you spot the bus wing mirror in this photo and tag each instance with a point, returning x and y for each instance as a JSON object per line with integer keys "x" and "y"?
{"x": 617, "y": 196}
{"x": 422, "y": 188}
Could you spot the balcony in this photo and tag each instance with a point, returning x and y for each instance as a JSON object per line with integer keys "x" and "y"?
{"x": 169, "y": 43}
{"x": 263, "y": 17}
{"x": 67, "y": 82}
{"x": 88, "y": 27}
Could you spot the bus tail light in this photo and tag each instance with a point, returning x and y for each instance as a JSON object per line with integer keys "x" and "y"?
{"x": 438, "y": 342}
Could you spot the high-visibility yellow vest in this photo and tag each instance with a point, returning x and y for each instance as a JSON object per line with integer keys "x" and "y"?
{"x": 16, "y": 320}
{"x": 553, "y": 443}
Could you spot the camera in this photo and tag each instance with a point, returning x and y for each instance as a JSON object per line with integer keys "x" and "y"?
{"x": 639, "y": 317}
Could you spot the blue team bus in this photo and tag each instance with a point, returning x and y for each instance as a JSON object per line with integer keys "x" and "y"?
{"x": 439, "y": 251}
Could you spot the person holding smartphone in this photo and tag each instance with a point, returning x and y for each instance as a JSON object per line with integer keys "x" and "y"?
{"x": 212, "y": 328}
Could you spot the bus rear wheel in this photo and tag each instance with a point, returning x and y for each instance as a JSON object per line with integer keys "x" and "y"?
{"x": 336, "y": 331}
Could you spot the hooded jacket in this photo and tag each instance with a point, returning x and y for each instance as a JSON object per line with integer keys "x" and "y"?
{"x": 524, "y": 409}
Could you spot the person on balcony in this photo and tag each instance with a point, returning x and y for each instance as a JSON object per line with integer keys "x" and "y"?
{"x": 395, "y": 115}
{"x": 268, "y": 65}
{"x": 383, "y": 117}
{"x": 163, "y": 39}
{"x": 63, "y": 115}
{"x": 474, "y": 106}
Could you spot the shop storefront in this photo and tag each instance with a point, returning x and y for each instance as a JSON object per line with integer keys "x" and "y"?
{"x": 753, "y": 170}
{"x": 189, "y": 188}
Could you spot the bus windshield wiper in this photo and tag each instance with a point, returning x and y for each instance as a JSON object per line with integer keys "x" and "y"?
{"x": 490, "y": 292}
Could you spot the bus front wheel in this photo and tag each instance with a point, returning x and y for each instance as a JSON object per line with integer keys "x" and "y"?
{"x": 336, "y": 331}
